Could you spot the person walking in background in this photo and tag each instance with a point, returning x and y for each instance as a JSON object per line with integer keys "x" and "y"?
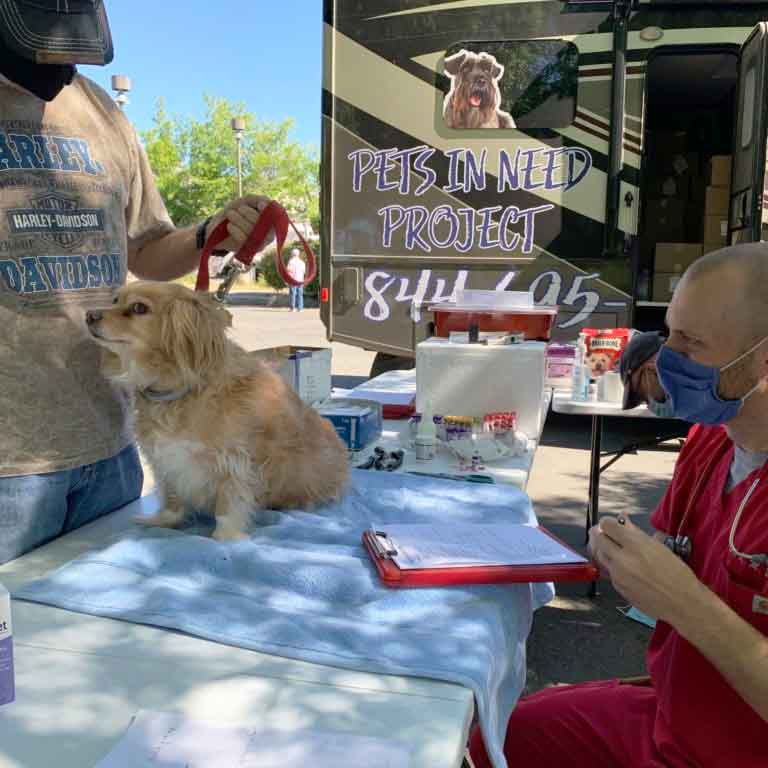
{"x": 297, "y": 269}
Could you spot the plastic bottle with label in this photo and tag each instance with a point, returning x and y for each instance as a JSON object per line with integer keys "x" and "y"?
{"x": 580, "y": 375}
{"x": 7, "y": 679}
{"x": 426, "y": 436}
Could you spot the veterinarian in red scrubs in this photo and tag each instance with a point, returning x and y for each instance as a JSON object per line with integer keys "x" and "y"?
{"x": 706, "y": 705}
{"x": 79, "y": 208}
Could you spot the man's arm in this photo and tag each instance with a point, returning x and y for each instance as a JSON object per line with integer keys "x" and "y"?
{"x": 167, "y": 257}
{"x": 175, "y": 253}
{"x": 731, "y": 644}
{"x": 660, "y": 584}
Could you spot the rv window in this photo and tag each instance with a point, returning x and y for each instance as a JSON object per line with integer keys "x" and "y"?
{"x": 516, "y": 83}
{"x": 748, "y": 106}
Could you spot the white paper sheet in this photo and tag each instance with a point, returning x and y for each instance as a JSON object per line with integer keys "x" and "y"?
{"x": 425, "y": 545}
{"x": 171, "y": 740}
{"x": 391, "y": 388}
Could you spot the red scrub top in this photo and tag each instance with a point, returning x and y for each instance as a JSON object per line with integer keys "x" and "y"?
{"x": 697, "y": 709}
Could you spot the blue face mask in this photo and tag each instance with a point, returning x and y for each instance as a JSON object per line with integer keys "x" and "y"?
{"x": 661, "y": 410}
{"x": 692, "y": 388}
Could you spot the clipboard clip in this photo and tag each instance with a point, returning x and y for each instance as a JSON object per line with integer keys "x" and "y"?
{"x": 383, "y": 550}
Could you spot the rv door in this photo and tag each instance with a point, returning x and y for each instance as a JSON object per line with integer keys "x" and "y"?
{"x": 749, "y": 141}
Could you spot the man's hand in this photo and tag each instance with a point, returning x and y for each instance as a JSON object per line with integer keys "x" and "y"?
{"x": 175, "y": 254}
{"x": 643, "y": 570}
{"x": 242, "y": 214}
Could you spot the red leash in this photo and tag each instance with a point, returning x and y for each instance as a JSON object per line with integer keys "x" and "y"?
{"x": 273, "y": 217}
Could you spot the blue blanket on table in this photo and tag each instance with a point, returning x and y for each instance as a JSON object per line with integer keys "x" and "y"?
{"x": 304, "y": 588}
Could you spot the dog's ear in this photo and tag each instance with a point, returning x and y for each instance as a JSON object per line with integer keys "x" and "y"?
{"x": 453, "y": 63}
{"x": 194, "y": 334}
{"x": 498, "y": 70}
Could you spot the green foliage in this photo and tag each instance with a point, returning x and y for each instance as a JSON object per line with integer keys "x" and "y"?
{"x": 272, "y": 277}
{"x": 195, "y": 162}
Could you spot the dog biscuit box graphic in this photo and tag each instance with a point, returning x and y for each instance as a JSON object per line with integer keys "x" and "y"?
{"x": 604, "y": 349}
{"x": 7, "y": 686}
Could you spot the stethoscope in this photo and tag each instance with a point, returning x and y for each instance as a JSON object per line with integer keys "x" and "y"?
{"x": 682, "y": 545}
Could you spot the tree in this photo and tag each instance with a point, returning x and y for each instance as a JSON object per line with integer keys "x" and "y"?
{"x": 196, "y": 166}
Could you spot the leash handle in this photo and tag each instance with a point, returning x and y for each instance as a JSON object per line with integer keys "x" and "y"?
{"x": 273, "y": 217}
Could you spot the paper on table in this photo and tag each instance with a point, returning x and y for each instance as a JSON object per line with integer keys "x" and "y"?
{"x": 392, "y": 388}
{"x": 458, "y": 545}
{"x": 171, "y": 740}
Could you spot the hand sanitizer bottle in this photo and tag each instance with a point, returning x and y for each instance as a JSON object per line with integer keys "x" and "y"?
{"x": 7, "y": 686}
{"x": 580, "y": 377}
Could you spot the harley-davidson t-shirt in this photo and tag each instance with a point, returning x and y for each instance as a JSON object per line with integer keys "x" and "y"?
{"x": 76, "y": 193}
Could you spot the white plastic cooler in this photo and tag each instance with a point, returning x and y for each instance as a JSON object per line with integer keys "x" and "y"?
{"x": 474, "y": 379}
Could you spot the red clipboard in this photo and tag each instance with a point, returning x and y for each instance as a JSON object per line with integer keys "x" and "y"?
{"x": 393, "y": 576}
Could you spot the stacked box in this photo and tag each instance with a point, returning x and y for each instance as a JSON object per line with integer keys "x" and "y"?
{"x": 306, "y": 369}
{"x": 357, "y": 422}
{"x": 671, "y": 261}
{"x": 714, "y": 225}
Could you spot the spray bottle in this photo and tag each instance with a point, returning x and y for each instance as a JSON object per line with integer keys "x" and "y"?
{"x": 7, "y": 685}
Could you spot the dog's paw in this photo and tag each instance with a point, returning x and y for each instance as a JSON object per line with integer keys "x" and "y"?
{"x": 224, "y": 533}
{"x": 166, "y": 518}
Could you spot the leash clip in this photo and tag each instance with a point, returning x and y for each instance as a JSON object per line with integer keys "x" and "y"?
{"x": 230, "y": 274}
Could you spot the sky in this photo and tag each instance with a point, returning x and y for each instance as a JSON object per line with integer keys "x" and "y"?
{"x": 266, "y": 54}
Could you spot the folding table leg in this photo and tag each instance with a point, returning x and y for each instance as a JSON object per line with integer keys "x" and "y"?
{"x": 593, "y": 510}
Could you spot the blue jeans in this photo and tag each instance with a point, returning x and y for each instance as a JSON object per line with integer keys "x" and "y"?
{"x": 296, "y": 296}
{"x": 37, "y": 508}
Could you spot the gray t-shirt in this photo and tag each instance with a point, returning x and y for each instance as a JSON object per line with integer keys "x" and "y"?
{"x": 76, "y": 195}
{"x": 744, "y": 463}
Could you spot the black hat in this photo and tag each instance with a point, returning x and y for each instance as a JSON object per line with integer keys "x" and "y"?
{"x": 641, "y": 348}
{"x": 57, "y": 31}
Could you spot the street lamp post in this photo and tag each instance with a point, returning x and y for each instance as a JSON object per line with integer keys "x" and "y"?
{"x": 238, "y": 128}
{"x": 121, "y": 84}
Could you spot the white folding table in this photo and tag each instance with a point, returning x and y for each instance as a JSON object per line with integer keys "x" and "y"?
{"x": 80, "y": 679}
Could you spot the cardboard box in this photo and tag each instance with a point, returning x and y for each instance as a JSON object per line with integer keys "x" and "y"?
{"x": 716, "y": 200}
{"x": 664, "y": 284}
{"x": 665, "y": 220}
{"x": 357, "y": 422}
{"x": 719, "y": 171}
{"x": 671, "y": 255}
{"x": 306, "y": 369}
{"x": 715, "y": 229}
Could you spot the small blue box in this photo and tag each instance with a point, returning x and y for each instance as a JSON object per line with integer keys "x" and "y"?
{"x": 357, "y": 422}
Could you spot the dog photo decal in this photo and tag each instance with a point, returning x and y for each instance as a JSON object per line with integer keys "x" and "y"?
{"x": 474, "y": 99}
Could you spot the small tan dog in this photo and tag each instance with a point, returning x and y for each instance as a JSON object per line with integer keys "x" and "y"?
{"x": 221, "y": 430}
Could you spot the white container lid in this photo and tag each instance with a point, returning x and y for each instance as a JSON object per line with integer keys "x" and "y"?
{"x": 501, "y": 299}
{"x": 450, "y": 306}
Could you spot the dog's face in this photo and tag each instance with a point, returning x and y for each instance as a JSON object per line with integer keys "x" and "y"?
{"x": 475, "y": 79}
{"x": 161, "y": 334}
{"x": 599, "y": 363}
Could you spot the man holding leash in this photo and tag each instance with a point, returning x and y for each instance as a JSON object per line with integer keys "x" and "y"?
{"x": 703, "y": 577}
{"x": 78, "y": 209}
